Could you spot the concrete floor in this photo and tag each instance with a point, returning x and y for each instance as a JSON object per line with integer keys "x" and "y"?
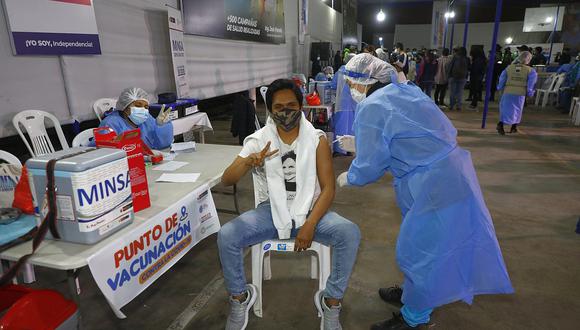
{"x": 531, "y": 183}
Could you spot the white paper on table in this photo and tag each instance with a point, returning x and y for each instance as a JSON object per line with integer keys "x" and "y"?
{"x": 183, "y": 146}
{"x": 170, "y": 166}
{"x": 178, "y": 177}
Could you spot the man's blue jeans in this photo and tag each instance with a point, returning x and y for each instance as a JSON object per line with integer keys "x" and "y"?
{"x": 256, "y": 226}
{"x": 456, "y": 92}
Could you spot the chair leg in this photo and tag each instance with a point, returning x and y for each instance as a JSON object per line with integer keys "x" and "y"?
{"x": 257, "y": 260}
{"x": 314, "y": 266}
{"x": 325, "y": 265}
{"x": 28, "y": 274}
{"x": 267, "y": 267}
{"x": 236, "y": 203}
{"x": 538, "y": 93}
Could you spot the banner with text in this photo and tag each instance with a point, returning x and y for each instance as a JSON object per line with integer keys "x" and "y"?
{"x": 52, "y": 27}
{"x": 178, "y": 52}
{"x": 438, "y": 24}
{"x": 127, "y": 266}
{"x": 252, "y": 20}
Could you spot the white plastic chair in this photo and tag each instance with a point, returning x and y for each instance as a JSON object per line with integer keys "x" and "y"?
{"x": 28, "y": 272}
{"x": 263, "y": 91}
{"x": 576, "y": 114}
{"x": 262, "y": 270}
{"x": 575, "y": 100}
{"x": 261, "y": 267}
{"x": 103, "y": 105}
{"x": 84, "y": 138}
{"x": 33, "y": 122}
{"x": 546, "y": 93}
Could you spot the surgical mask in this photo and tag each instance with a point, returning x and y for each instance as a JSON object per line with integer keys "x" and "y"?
{"x": 286, "y": 118}
{"x": 138, "y": 115}
{"x": 357, "y": 96}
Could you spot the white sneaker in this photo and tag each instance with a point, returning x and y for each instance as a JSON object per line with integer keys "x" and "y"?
{"x": 330, "y": 319}
{"x": 238, "y": 317}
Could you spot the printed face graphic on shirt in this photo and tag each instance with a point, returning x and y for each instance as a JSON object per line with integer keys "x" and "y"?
{"x": 289, "y": 169}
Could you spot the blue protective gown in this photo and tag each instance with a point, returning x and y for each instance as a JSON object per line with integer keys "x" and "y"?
{"x": 511, "y": 106}
{"x": 344, "y": 110}
{"x": 155, "y": 136}
{"x": 447, "y": 248}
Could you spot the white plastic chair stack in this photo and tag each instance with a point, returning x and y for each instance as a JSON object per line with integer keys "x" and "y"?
{"x": 576, "y": 114}
{"x": 28, "y": 272}
{"x": 33, "y": 123}
{"x": 261, "y": 267}
{"x": 84, "y": 138}
{"x": 575, "y": 101}
{"x": 103, "y": 105}
{"x": 551, "y": 91}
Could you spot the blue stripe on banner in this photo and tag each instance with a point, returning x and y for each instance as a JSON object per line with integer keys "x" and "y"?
{"x": 41, "y": 43}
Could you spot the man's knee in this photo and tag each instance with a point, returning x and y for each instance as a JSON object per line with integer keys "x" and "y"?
{"x": 348, "y": 232}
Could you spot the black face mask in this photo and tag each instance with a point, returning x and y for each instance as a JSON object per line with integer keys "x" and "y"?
{"x": 286, "y": 118}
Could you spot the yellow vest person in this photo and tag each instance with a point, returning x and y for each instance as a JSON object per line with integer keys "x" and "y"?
{"x": 517, "y": 81}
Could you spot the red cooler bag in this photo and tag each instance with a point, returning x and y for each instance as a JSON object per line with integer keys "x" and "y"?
{"x": 131, "y": 142}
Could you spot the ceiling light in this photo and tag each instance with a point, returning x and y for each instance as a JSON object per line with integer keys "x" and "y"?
{"x": 509, "y": 40}
{"x": 549, "y": 19}
{"x": 381, "y": 16}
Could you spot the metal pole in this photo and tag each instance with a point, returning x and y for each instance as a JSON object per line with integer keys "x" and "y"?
{"x": 553, "y": 34}
{"x": 489, "y": 76}
{"x": 445, "y": 34}
{"x": 465, "y": 30}
{"x": 452, "y": 34}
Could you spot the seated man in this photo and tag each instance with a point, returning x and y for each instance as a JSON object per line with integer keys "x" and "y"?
{"x": 293, "y": 199}
{"x": 132, "y": 111}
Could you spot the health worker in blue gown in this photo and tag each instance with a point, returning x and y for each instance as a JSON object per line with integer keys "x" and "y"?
{"x": 517, "y": 81}
{"x": 447, "y": 248}
{"x": 344, "y": 108}
{"x": 132, "y": 111}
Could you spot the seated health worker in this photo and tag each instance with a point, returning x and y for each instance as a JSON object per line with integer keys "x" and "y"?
{"x": 132, "y": 111}
{"x": 294, "y": 183}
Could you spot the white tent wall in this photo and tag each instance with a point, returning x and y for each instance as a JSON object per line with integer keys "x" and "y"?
{"x": 27, "y": 82}
{"x": 418, "y": 35}
{"x": 217, "y": 67}
{"x": 324, "y": 24}
{"x": 135, "y": 52}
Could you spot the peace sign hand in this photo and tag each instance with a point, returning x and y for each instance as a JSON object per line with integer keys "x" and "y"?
{"x": 257, "y": 159}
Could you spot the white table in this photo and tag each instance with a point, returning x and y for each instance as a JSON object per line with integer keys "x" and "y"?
{"x": 210, "y": 160}
{"x": 198, "y": 121}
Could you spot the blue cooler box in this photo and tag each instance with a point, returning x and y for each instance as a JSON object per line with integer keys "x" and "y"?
{"x": 93, "y": 192}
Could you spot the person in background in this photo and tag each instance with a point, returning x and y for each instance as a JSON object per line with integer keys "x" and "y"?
{"x": 441, "y": 78}
{"x": 517, "y": 81}
{"x": 337, "y": 61}
{"x": 294, "y": 180}
{"x": 381, "y": 54}
{"x": 565, "y": 58}
{"x": 538, "y": 58}
{"x": 498, "y": 67}
{"x": 427, "y": 71}
{"x": 458, "y": 69}
{"x": 402, "y": 58}
{"x": 447, "y": 248}
{"x": 507, "y": 58}
{"x": 316, "y": 67}
{"x": 370, "y": 49}
{"x": 132, "y": 111}
{"x": 325, "y": 75}
{"x": 570, "y": 86}
{"x": 476, "y": 74}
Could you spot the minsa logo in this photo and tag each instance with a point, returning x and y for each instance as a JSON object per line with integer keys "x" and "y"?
{"x": 267, "y": 246}
{"x": 129, "y": 148}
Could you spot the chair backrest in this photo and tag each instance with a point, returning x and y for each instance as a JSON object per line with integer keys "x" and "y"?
{"x": 558, "y": 82}
{"x": 9, "y": 158}
{"x": 549, "y": 82}
{"x": 33, "y": 123}
{"x": 84, "y": 138}
{"x": 263, "y": 91}
{"x": 103, "y": 105}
